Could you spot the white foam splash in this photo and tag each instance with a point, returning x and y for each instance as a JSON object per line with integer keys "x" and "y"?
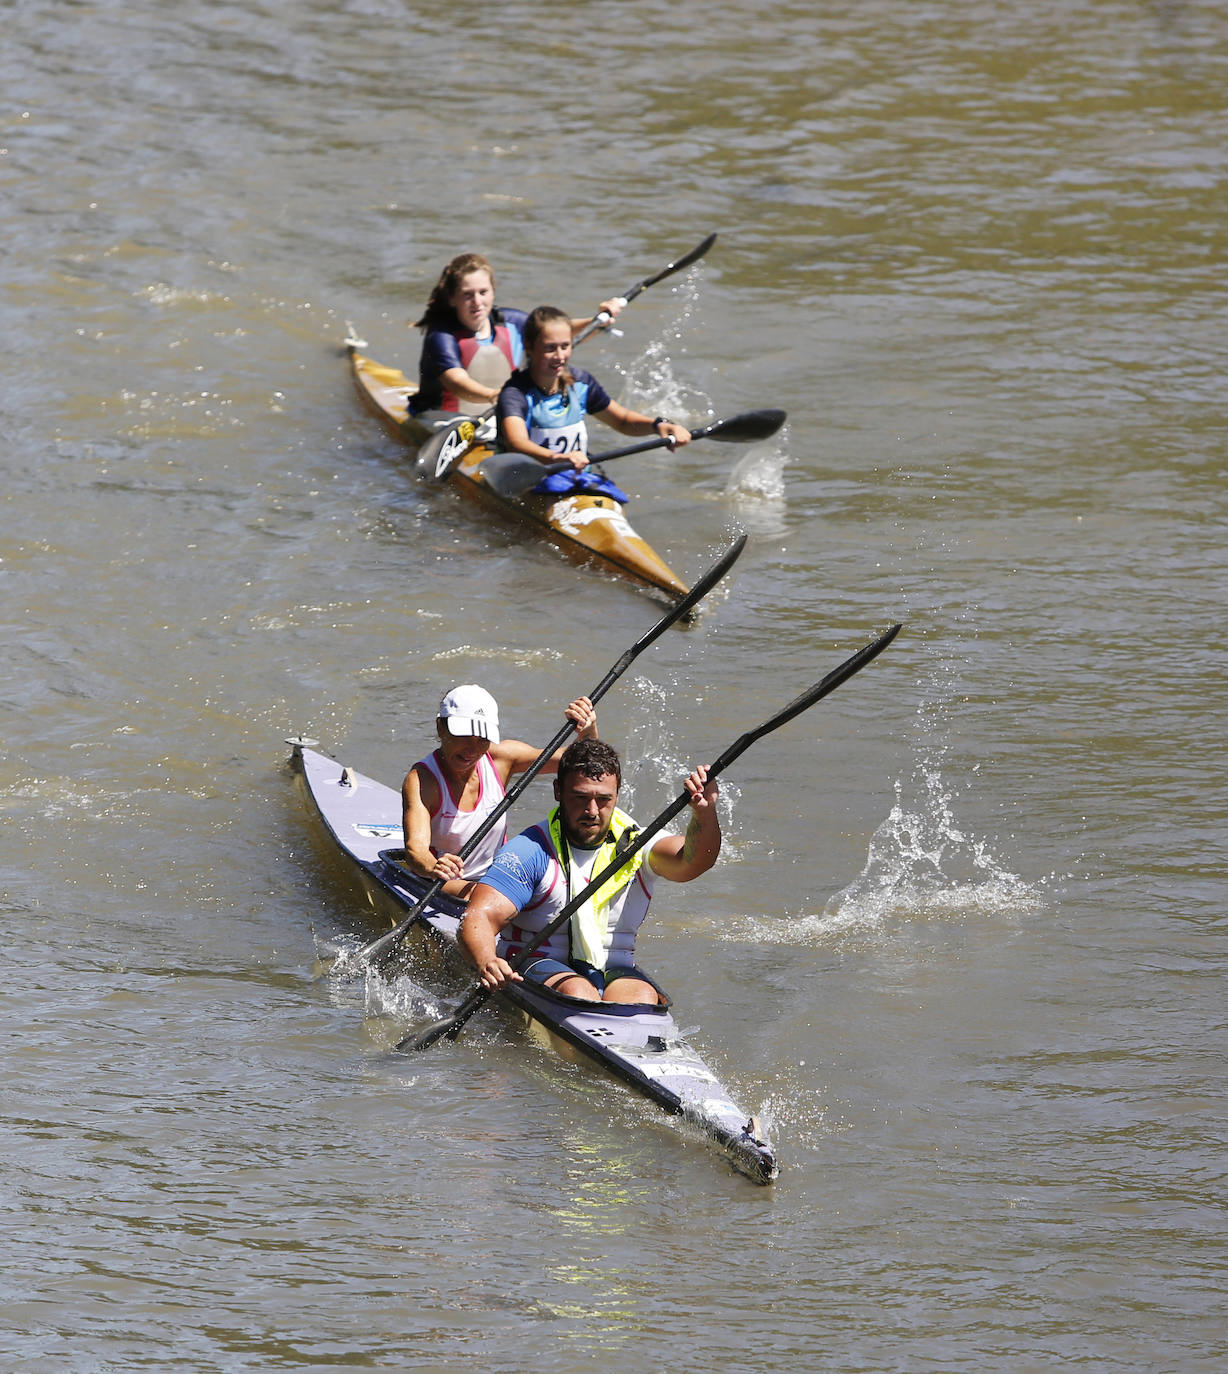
{"x": 923, "y": 863}
{"x": 400, "y": 999}
{"x": 650, "y": 383}
{"x": 758, "y": 476}
{"x": 755, "y": 490}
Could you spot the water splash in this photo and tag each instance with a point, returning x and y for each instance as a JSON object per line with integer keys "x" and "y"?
{"x": 653, "y": 763}
{"x": 923, "y": 863}
{"x": 759, "y": 476}
{"x": 797, "y": 1112}
{"x": 650, "y": 382}
{"x": 335, "y": 958}
{"x": 385, "y": 993}
{"x": 400, "y": 999}
{"x": 756, "y": 491}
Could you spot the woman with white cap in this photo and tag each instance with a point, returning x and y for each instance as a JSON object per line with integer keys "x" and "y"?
{"x": 448, "y": 794}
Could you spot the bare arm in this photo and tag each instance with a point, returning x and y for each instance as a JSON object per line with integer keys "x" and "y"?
{"x": 460, "y": 383}
{"x": 632, "y": 423}
{"x": 511, "y": 756}
{"x": 612, "y": 308}
{"x": 489, "y": 911}
{"x": 680, "y": 858}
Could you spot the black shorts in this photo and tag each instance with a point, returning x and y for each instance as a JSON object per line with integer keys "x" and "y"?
{"x": 543, "y": 969}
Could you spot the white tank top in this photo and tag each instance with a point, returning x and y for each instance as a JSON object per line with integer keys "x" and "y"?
{"x": 451, "y": 829}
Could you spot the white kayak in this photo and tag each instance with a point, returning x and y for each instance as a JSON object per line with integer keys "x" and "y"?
{"x": 640, "y": 1045}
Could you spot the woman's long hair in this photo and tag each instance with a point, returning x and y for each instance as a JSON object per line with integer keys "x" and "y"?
{"x": 439, "y": 313}
{"x": 537, "y": 321}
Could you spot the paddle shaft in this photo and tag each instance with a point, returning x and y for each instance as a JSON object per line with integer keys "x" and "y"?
{"x": 738, "y": 429}
{"x": 693, "y": 256}
{"x": 512, "y": 474}
{"x": 451, "y": 1026}
{"x": 701, "y": 588}
{"x": 431, "y": 454}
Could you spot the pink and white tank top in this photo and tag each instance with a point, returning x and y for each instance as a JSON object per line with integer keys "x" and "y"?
{"x": 451, "y": 829}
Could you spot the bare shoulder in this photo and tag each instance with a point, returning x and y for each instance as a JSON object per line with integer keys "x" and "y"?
{"x": 420, "y": 786}
{"x": 512, "y": 756}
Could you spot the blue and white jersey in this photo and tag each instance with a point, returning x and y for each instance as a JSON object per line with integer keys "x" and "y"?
{"x": 555, "y": 421}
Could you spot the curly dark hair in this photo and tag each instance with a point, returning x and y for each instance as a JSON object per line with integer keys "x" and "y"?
{"x": 591, "y": 758}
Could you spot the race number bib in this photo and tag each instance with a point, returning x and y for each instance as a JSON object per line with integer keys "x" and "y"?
{"x": 564, "y": 440}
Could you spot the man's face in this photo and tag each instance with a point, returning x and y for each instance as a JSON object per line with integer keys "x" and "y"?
{"x": 585, "y": 806}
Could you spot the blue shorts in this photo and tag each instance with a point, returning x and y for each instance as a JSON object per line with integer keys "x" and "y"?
{"x": 543, "y": 969}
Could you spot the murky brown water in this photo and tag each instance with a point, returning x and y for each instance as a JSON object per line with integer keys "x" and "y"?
{"x": 967, "y": 945}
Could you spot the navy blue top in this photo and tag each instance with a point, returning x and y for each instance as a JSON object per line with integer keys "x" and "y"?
{"x": 441, "y": 350}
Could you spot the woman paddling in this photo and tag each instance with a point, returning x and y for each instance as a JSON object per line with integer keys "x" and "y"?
{"x": 542, "y": 408}
{"x": 447, "y": 795}
{"x": 471, "y": 346}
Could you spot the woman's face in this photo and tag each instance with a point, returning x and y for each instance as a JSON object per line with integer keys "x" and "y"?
{"x": 550, "y": 353}
{"x": 473, "y": 300}
{"x": 461, "y": 753}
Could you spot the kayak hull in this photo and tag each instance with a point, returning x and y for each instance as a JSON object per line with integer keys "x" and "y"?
{"x": 589, "y": 528}
{"x": 639, "y": 1045}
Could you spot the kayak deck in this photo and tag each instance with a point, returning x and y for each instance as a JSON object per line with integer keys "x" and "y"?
{"x": 640, "y": 1045}
{"x": 587, "y": 527}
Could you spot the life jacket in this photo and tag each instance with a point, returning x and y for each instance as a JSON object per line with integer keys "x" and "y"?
{"x": 590, "y": 936}
{"x": 490, "y": 362}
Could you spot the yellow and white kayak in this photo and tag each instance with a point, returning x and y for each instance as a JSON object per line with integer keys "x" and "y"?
{"x": 588, "y": 527}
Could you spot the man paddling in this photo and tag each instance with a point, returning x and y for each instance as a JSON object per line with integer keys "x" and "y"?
{"x": 535, "y": 875}
{"x": 448, "y": 795}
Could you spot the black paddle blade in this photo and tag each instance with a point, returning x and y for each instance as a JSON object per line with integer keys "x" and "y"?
{"x": 411, "y": 1043}
{"x": 513, "y": 474}
{"x": 705, "y": 584}
{"x": 744, "y": 428}
{"x": 685, "y": 261}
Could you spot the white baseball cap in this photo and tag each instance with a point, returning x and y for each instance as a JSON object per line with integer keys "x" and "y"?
{"x": 471, "y": 710}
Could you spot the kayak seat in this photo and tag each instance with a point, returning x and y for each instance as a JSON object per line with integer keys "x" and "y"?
{"x": 404, "y": 877}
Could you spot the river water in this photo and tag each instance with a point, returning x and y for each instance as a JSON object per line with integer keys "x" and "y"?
{"x": 965, "y": 950}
